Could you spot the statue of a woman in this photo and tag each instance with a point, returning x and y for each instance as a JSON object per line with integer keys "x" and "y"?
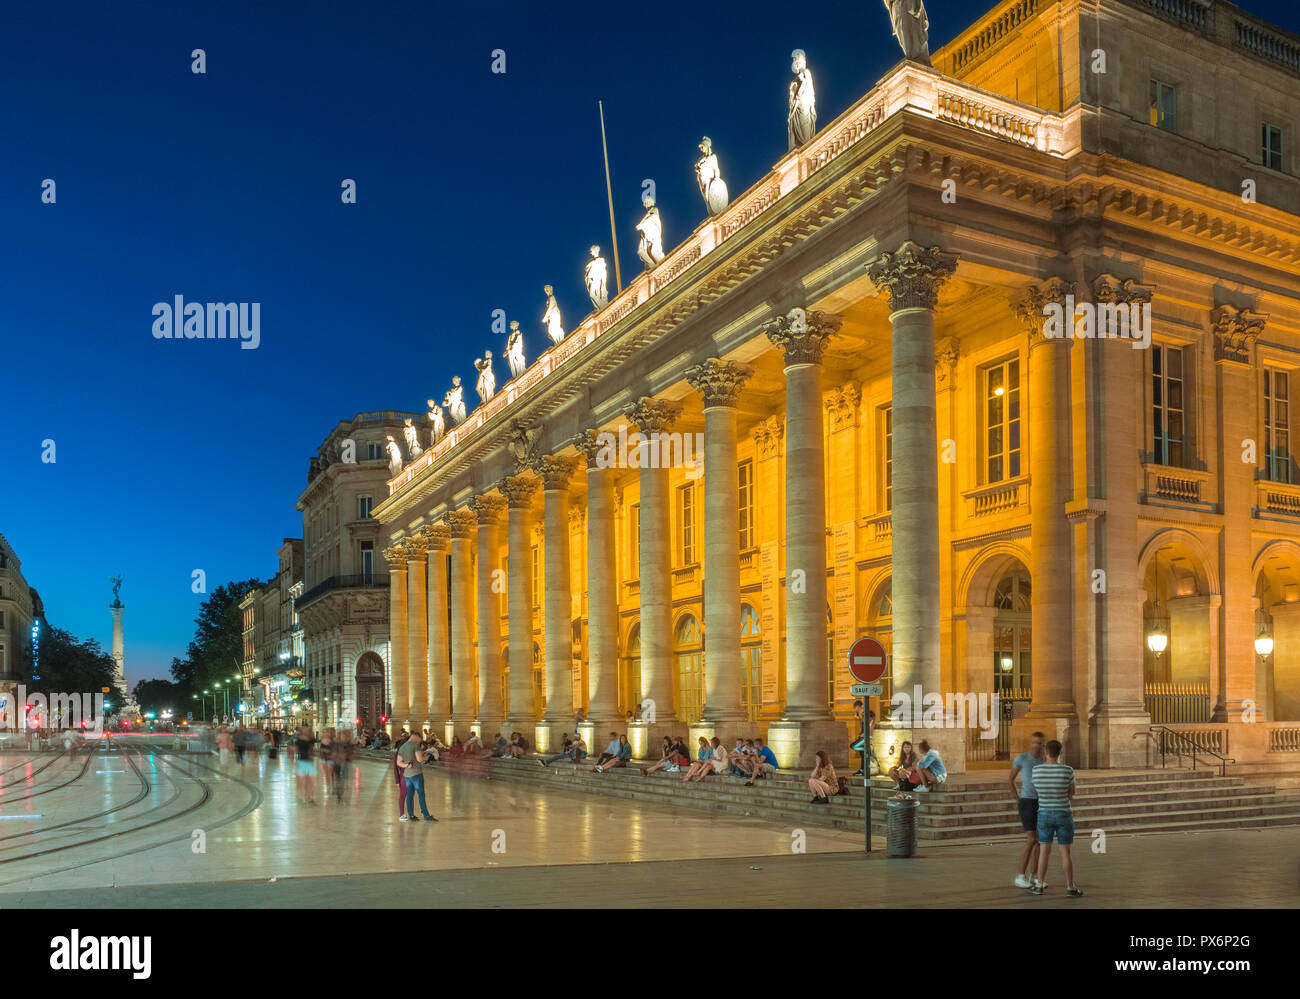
{"x": 597, "y": 277}
{"x": 412, "y": 436}
{"x": 709, "y": 177}
{"x": 515, "y": 349}
{"x": 651, "y": 247}
{"x": 436, "y": 422}
{"x": 802, "y": 120}
{"x": 551, "y": 317}
{"x": 394, "y": 456}
{"x": 911, "y": 28}
{"x": 487, "y": 381}
{"x": 454, "y": 400}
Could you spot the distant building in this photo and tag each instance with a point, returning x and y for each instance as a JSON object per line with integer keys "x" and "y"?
{"x": 271, "y": 670}
{"x": 19, "y": 609}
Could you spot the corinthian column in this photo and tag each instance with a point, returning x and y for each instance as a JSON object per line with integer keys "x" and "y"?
{"x": 463, "y": 709}
{"x": 398, "y": 699}
{"x": 489, "y": 509}
{"x": 806, "y": 725}
{"x": 417, "y": 634}
{"x": 439, "y": 668}
{"x": 556, "y": 472}
{"x": 719, "y": 383}
{"x": 652, "y": 417}
{"x": 519, "y": 492}
{"x": 602, "y": 586}
{"x": 911, "y": 276}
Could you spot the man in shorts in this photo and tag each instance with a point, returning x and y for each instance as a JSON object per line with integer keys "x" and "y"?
{"x": 1054, "y": 782}
{"x": 1027, "y": 804}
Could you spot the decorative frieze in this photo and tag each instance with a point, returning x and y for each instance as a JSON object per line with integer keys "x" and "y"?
{"x": 719, "y": 381}
{"x": 767, "y": 436}
{"x": 555, "y": 470}
{"x": 518, "y": 490}
{"x": 802, "y": 335}
{"x": 912, "y": 275}
{"x": 461, "y": 523}
{"x": 488, "y": 507}
{"x": 842, "y": 406}
{"x": 1106, "y": 288}
{"x": 654, "y": 416}
{"x": 1235, "y": 332}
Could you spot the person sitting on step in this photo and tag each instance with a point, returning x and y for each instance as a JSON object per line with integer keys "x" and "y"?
{"x": 621, "y": 758}
{"x": 667, "y": 757}
{"x": 823, "y": 783}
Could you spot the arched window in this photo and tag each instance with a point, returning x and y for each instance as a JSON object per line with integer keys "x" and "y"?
{"x": 630, "y": 693}
{"x": 751, "y": 661}
{"x": 688, "y": 650}
{"x": 1012, "y": 631}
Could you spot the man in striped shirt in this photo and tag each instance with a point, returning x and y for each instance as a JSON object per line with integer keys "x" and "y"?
{"x": 1054, "y": 783}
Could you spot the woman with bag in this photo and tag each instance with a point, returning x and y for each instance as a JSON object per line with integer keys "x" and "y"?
{"x": 823, "y": 782}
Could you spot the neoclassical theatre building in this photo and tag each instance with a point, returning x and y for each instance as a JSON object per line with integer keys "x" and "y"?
{"x": 1103, "y": 529}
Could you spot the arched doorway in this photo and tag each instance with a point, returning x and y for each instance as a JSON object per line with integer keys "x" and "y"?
{"x": 371, "y": 704}
{"x": 1277, "y": 619}
{"x": 1013, "y": 675}
{"x": 1178, "y": 613}
{"x": 688, "y": 652}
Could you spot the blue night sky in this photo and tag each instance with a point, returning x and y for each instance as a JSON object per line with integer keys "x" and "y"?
{"x": 474, "y": 190}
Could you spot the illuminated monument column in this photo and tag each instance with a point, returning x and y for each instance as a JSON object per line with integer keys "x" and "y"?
{"x": 489, "y": 509}
{"x": 720, "y": 382}
{"x": 463, "y": 709}
{"x": 519, "y": 492}
{"x": 911, "y": 276}
{"x": 438, "y": 668}
{"x": 556, "y": 472}
{"x": 1052, "y": 710}
{"x": 651, "y": 416}
{"x": 126, "y": 704}
{"x": 417, "y": 635}
{"x": 807, "y": 724}
{"x": 399, "y": 689}
{"x": 602, "y": 589}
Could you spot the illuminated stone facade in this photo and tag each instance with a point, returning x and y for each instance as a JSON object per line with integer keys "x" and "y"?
{"x": 891, "y": 445}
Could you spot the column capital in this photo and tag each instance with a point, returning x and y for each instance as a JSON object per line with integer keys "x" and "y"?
{"x": 945, "y": 362}
{"x": 396, "y": 556}
{"x": 719, "y": 381}
{"x": 591, "y": 446}
{"x": 555, "y": 470}
{"x": 488, "y": 508}
{"x": 1031, "y": 309}
{"x": 437, "y": 536}
{"x": 460, "y": 523}
{"x": 416, "y": 547}
{"x": 912, "y": 275}
{"x": 767, "y": 436}
{"x": 1108, "y": 288}
{"x": 842, "y": 405}
{"x": 802, "y": 335}
{"x": 1235, "y": 332}
{"x": 518, "y": 490}
{"x": 654, "y": 416}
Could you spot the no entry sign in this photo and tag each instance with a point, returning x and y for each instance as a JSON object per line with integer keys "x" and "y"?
{"x": 867, "y": 660}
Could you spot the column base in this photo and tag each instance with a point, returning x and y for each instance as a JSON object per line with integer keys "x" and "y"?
{"x": 647, "y": 737}
{"x": 487, "y": 729}
{"x": 796, "y": 743}
{"x": 1062, "y": 727}
{"x": 461, "y": 727}
{"x": 950, "y": 744}
{"x": 1117, "y": 738}
{"x": 542, "y": 738}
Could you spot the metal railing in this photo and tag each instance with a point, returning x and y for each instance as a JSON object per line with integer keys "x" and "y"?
{"x": 1178, "y": 703}
{"x": 342, "y": 582}
{"x": 1186, "y": 744}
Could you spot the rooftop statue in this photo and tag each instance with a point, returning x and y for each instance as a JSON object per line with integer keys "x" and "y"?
{"x": 911, "y": 28}
{"x": 454, "y": 400}
{"x": 487, "y": 381}
{"x": 709, "y": 177}
{"x": 551, "y": 317}
{"x": 802, "y": 120}
{"x": 394, "y": 456}
{"x": 437, "y": 422}
{"x": 651, "y": 247}
{"x": 412, "y": 436}
{"x": 597, "y": 277}
{"x": 515, "y": 349}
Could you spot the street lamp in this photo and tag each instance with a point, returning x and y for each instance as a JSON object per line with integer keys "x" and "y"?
{"x": 1263, "y": 645}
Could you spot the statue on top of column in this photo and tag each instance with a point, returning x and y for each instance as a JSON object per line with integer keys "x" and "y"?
{"x": 709, "y": 176}
{"x": 436, "y": 422}
{"x": 412, "y": 436}
{"x": 117, "y": 585}
{"x": 651, "y": 228}
{"x": 596, "y": 276}
{"x": 394, "y": 456}
{"x": 551, "y": 317}
{"x": 487, "y": 381}
{"x": 911, "y": 28}
{"x": 515, "y": 349}
{"x": 454, "y": 400}
{"x": 801, "y": 122}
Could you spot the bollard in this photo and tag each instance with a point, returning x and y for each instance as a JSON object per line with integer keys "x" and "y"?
{"x": 900, "y": 826}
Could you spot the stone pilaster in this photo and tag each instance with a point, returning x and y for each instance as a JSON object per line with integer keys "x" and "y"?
{"x": 556, "y": 471}
{"x": 602, "y": 587}
{"x": 461, "y": 524}
{"x": 719, "y": 383}
{"x": 519, "y": 492}
{"x": 489, "y": 508}
{"x": 438, "y": 538}
{"x": 417, "y": 633}
{"x": 399, "y": 693}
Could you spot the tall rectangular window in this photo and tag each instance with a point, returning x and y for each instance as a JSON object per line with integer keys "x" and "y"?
{"x": 1002, "y": 421}
{"x": 888, "y": 451}
{"x": 1167, "y": 404}
{"x": 686, "y": 524}
{"x": 1277, "y": 425}
{"x": 374, "y": 451}
{"x": 367, "y": 562}
{"x": 746, "y": 494}
{"x": 1271, "y": 147}
{"x": 1164, "y": 106}
{"x": 537, "y": 577}
{"x": 364, "y": 503}
{"x": 634, "y": 546}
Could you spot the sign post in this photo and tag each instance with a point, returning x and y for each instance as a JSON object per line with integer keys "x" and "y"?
{"x": 866, "y": 665}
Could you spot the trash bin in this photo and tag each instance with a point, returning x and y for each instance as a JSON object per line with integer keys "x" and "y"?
{"x": 900, "y": 826}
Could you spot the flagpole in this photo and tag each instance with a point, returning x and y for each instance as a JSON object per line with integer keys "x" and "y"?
{"x": 609, "y": 192}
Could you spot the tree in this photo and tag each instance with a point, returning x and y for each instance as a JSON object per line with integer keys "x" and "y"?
{"x": 158, "y": 696}
{"x": 217, "y": 650}
{"x": 69, "y": 665}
